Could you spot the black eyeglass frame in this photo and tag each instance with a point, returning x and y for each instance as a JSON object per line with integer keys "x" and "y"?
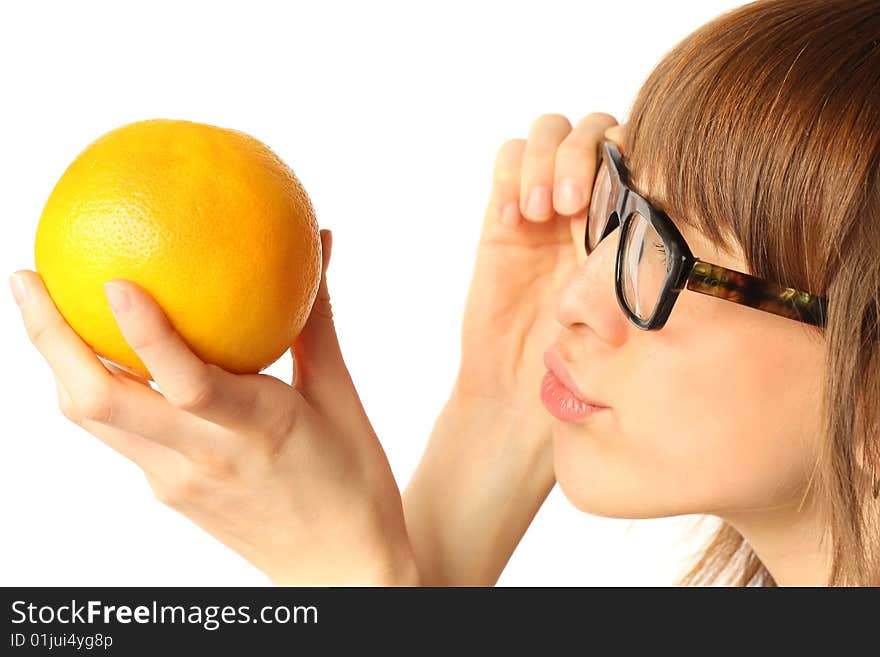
{"x": 683, "y": 269}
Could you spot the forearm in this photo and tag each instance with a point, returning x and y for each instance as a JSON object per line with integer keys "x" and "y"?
{"x": 482, "y": 478}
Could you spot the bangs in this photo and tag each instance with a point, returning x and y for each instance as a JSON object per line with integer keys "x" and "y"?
{"x": 742, "y": 133}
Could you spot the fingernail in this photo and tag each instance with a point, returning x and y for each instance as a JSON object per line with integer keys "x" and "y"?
{"x": 539, "y": 202}
{"x": 568, "y": 196}
{"x": 117, "y": 297}
{"x": 17, "y": 285}
{"x": 510, "y": 214}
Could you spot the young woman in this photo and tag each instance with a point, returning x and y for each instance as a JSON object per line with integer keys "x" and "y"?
{"x": 675, "y": 316}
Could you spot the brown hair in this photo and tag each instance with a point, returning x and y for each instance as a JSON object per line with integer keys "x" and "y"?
{"x": 764, "y": 127}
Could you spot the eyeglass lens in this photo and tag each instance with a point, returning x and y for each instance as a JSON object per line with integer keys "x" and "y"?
{"x": 600, "y": 206}
{"x": 644, "y": 267}
{"x": 644, "y": 254}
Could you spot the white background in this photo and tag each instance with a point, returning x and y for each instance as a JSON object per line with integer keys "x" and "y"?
{"x": 391, "y": 115}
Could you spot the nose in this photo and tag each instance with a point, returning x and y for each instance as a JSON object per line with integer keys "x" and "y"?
{"x": 587, "y": 297}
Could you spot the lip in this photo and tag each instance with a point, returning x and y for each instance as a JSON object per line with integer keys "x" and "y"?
{"x": 554, "y": 363}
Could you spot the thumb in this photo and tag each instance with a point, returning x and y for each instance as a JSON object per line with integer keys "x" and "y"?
{"x": 318, "y": 365}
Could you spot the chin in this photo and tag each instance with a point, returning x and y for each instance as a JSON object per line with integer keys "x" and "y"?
{"x": 592, "y": 502}
{"x": 579, "y": 484}
{"x": 591, "y": 483}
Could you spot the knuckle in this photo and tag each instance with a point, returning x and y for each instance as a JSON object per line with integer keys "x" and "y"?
{"x": 155, "y": 332}
{"x": 569, "y": 150}
{"x": 538, "y": 155}
{"x": 265, "y": 445}
{"x": 268, "y": 451}
{"x": 507, "y": 156}
{"x": 323, "y": 306}
{"x": 220, "y": 464}
{"x": 505, "y": 176}
{"x": 286, "y": 424}
{"x": 572, "y": 161}
{"x": 601, "y": 117}
{"x": 40, "y": 333}
{"x": 96, "y": 405}
{"x": 69, "y": 410}
{"x": 196, "y": 396}
{"x": 511, "y": 145}
{"x": 281, "y": 428}
{"x": 537, "y": 165}
{"x": 551, "y": 118}
{"x": 143, "y": 340}
{"x": 37, "y": 333}
{"x": 170, "y": 497}
{"x": 182, "y": 492}
{"x": 161, "y": 493}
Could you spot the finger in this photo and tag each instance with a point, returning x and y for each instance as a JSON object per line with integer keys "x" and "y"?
{"x": 617, "y": 134}
{"x": 96, "y": 394}
{"x": 576, "y": 161}
{"x": 506, "y": 180}
{"x": 318, "y": 363}
{"x": 67, "y": 355}
{"x": 149, "y": 455}
{"x": 536, "y": 183}
{"x": 205, "y": 390}
{"x": 322, "y": 382}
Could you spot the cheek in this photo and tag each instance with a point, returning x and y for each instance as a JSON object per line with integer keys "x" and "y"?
{"x": 723, "y": 424}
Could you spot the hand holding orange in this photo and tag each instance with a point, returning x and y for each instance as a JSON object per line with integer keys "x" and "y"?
{"x": 208, "y": 220}
{"x": 221, "y": 269}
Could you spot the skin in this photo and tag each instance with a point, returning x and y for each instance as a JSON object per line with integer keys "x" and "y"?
{"x": 667, "y": 422}
{"x": 705, "y": 414}
{"x": 248, "y": 458}
{"x": 488, "y": 464}
{"x": 745, "y": 455}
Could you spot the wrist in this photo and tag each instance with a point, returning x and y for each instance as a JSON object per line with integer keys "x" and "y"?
{"x": 396, "y": 567}
{"x": 400, "y": 572}
{"x": 509, "y": 443}
{"x": 389, "y": 571}
{"x": 486, "y": 470}
{"x": 524, "y": 426}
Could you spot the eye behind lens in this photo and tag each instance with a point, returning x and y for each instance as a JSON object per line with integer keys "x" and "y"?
{"x": 644, "y": 266}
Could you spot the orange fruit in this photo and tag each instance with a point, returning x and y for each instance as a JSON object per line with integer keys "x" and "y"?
{"x": 208, "y": 220}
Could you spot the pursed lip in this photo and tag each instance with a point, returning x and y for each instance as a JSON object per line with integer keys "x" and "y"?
{"x": 555, "y": 364}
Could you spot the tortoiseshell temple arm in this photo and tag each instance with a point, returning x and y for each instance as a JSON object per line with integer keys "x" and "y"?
{"x": 748, "y": 290}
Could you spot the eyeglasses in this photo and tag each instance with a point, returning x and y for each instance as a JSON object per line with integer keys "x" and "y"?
{"x": 654, "y": 263}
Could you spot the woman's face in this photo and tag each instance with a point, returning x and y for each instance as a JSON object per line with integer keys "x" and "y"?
{"x": 717, "y": 412}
